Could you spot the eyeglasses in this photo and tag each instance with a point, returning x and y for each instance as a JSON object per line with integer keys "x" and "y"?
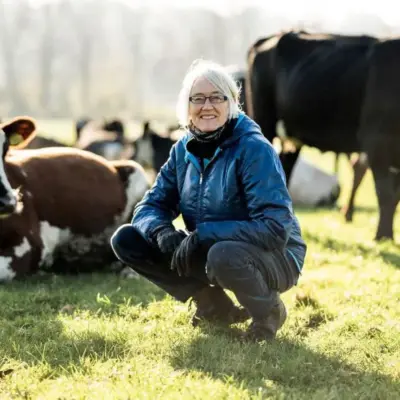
{"x": 214, "y": 99}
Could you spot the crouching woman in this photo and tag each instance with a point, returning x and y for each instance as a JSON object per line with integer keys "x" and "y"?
{"x": 226, "y": 180}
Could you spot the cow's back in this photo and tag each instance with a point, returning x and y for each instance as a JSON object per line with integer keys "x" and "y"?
{"x": 320, "y": 88}
{"x": 317, "y": 83}
{"x": 72, "y": 188}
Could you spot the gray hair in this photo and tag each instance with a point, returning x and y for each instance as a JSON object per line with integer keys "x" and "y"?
{"x": 218, "y": 76}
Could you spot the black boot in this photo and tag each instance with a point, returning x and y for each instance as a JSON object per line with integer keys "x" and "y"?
{"x": 266, "y": 329}
{"x": 213, "y": 304}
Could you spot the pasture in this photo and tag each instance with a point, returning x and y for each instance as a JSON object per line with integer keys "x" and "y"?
{"x": 100, "y": 337}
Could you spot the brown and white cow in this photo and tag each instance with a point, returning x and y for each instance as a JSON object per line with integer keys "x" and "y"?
{"x": 59, "y": 206}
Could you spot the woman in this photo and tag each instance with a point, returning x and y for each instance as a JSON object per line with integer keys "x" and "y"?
{"x": 226, "y": 180}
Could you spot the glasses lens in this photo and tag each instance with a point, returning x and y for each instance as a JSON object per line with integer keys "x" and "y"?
{"x": 218, "y": 98}
{"x": 198, "y": 99}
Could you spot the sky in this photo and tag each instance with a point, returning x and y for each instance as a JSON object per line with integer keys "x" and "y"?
{"x": 388, "y": 10}
{"x": 332, "y": 10}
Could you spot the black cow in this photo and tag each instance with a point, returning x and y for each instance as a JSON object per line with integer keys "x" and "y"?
{"x": 152, "y": 150}
{"x": 359, "y": 164}
{"x": 336, "y": 93}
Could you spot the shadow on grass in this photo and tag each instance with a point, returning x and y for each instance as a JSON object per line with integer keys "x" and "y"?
{"x": 31, "y": 332}
{"x": 279, "y": 369}
{"x": 46, "y": 344}
{"x": 377, "y": 251}
{"x": 46, "y": 295}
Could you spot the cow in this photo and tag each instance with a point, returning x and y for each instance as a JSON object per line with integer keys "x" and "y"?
{"x": 336, "y": 93}
{"x": 152, "y": 150}
{"x": 309, "y": 186}
{"x": 104, "y": 138}
{"x": 59, "y": 206}
{"x": 39, "y": 142}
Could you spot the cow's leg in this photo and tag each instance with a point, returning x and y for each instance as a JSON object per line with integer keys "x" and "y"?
{"x": 360, "y": 166}
{"x": 288, "y": 160}
{"x": 336, "y": 164}
{"x": 387, "y": 186}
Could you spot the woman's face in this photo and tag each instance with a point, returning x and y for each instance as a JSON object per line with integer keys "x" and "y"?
{"x": 214, "y": 112}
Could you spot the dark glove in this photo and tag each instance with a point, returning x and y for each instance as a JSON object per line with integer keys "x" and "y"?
{"x": 168, "y": 240}
{"x": 181, "y": 259}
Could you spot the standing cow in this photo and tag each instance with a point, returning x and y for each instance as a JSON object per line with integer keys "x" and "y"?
{"x": 336, "y": 93}
{"x": 308, "y": 185}
{"x": 152, "y": 150}
{"x": 59, "y": 206}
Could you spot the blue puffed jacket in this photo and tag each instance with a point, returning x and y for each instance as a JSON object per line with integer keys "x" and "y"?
{"x": 240, "y": 195}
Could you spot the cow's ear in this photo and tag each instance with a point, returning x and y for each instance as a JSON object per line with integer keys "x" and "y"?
{"x": 19, "y": 131}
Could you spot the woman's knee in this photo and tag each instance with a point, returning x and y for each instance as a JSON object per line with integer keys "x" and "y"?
{"x": 222, "y": 258}
{"x": 127, "y": 243}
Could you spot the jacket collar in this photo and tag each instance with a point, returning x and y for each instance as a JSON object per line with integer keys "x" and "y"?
{"x": 244, "y": 126}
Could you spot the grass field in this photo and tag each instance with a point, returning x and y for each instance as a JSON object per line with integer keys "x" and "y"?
{"x": 99, "y": 337}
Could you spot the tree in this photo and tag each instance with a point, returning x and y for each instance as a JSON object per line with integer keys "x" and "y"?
{"x": 12, "y": 31}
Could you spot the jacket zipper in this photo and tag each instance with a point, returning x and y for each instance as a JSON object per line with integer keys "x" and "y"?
{"x": 200, "y": 188}
{"x": 199, "y": 198}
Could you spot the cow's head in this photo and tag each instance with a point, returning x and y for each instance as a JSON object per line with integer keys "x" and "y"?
{"x": 15, "y": 134}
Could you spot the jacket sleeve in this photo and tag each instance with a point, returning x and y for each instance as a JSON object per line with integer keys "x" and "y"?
{"x": 160, "y": 205}
{"x": 268, "y": 201}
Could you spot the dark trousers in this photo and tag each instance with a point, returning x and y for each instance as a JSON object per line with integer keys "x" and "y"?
{"x": 254, "y": 275}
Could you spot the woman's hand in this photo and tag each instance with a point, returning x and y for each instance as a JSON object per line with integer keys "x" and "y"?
{"x": 182, "y": 257}
{"x": 168, "y": 240}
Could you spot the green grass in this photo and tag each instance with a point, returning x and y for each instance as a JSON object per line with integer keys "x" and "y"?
{"x": 99, "y": 337}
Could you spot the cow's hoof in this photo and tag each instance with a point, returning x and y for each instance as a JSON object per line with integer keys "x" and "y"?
{"x": 347, "y": 213}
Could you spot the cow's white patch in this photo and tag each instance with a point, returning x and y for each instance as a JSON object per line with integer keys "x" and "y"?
{"x": 310, "y": 186}
{"x": 137, "y": 186}
{"x": 22, "y": 249}
{"x": 3, "y": 177}
{"x": 6, "y": 272}
{"x": 52, "y": 237}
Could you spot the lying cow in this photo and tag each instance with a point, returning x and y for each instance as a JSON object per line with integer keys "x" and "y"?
{"x": 106, "y": 139}
{"x": 310, "y": 186}
{"x": 39, "y": 142}
{"x": 59, "y": 206}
